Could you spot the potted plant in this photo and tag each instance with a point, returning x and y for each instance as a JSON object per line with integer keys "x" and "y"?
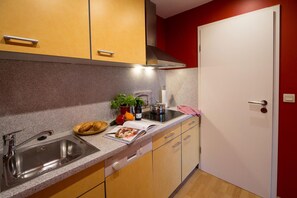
{"x": 139, "y": 101}
{"x": 122, "y": 103}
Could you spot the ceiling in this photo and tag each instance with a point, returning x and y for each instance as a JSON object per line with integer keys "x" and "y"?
{"x": 168, "y": 8}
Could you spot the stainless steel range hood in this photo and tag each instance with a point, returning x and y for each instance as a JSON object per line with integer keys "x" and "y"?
{"x": 154, "y": 56}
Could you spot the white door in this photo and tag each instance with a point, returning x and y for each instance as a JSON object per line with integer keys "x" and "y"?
{"x": 237, "y": 66}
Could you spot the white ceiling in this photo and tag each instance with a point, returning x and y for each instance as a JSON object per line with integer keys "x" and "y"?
{"x": 168, "y": 8}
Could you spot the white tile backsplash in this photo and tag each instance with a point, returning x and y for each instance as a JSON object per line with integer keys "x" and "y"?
{"x": 182, "y": 87}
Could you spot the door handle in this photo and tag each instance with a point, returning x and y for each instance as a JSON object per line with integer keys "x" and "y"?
{"x": 262, "y": 102}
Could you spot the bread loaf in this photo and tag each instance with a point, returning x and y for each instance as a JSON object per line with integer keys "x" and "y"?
{"x": 97, "y": 126}
{"x": 85, "y": 127}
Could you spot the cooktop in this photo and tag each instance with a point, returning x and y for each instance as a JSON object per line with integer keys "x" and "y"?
{"x": 168, "y": 115}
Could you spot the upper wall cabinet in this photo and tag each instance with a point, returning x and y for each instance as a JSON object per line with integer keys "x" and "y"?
{"x": 55, "y": 27}
{"x": 118, "y": 30}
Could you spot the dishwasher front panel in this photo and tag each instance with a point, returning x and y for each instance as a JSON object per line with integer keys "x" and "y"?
{"x": 129, "y": 174}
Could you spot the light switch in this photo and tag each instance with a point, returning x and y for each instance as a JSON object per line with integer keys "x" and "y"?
{"x": 290, "y": 98}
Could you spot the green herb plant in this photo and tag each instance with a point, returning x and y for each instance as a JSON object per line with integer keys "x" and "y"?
{"x": 125, "y": 100}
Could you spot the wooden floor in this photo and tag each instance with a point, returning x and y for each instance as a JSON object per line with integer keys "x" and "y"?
{"x": 203, "y": 185}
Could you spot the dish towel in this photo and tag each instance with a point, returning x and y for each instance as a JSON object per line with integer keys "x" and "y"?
{"x": 188, "y": 110}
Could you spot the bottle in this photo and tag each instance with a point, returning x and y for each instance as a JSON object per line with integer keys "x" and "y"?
{"x": 138, "y": 111}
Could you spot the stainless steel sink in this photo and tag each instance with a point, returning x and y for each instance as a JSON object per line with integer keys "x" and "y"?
{"x": 30, "y": 162}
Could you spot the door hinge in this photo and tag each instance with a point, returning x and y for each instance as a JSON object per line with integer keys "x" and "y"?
{"x": 199, "y": 48}
{"x": 200, "y": 149}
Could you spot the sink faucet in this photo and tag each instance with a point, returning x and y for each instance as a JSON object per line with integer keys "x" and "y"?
{"x": 9, "y": 146}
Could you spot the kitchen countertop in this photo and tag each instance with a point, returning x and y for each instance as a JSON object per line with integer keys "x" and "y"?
{"x": 107, "y": 148}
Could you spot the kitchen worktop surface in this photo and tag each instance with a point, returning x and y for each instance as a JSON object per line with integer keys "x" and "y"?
{"x": 107, "y": 148}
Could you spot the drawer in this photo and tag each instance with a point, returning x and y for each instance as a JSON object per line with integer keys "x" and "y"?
{"x": 186, "y": 125}
{"x": 75, "y": 185}
{"x": 166, "y": 136}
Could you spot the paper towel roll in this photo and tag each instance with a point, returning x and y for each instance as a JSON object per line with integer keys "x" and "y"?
{"x": 164, "y": 98}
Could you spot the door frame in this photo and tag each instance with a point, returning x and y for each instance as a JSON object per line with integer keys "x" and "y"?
{"x": 275, "y": 113}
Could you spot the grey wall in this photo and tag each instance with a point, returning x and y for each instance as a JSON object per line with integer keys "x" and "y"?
{"x": 37, "y": 96}
{"x": 182, "y": 87}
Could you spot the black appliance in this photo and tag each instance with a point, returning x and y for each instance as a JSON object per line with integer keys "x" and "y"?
{"x": 168, "y": 115}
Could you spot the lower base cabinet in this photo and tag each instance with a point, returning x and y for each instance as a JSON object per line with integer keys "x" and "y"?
{"x": 190, "y": 151}
{"x": 175, "y": 156}
{"x": 167, "y": 168}
{"x": 97, "y": 192}
{"x": 87, "y": 184}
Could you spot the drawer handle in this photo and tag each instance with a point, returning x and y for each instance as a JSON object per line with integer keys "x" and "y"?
{"x": 176, "y": 144}
{"x": 105, "y": 52}
{"x": 9, "y": 37}
{"x": 193, "y": 122}
{"x": 169, "y": 135}
{"x": 188, "y": 136}
{"x": 132, "y": 157}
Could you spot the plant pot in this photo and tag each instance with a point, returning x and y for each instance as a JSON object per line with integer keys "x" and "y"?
{"x": 124, "y": 109}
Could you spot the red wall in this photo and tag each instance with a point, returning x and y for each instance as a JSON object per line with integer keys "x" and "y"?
{"x": 180, "y": 38}
{"x": 160, "y": 33}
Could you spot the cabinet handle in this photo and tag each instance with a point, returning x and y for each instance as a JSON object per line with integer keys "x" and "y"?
{"x": 9, "y": 37}
{"x": 105, "y": 52}
{"x": 188, "y": 136}
{"x": 132, "y": 157}
{"x": 176, "y": 144}
{"x": 193, "y": 122}
{"x": 169, "y": 135}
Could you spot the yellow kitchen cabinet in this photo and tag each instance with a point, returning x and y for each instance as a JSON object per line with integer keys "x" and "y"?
{"x": 55, "y": 27}
{"x": 165, "y": 136}
{"x": 118, "y": 31}
{"x": 190, "y": 146}
{"x": 189, "y": 123}
{"x": 167, "y": 167}
{"x": 134, "y": 180}
{"x": 97, "y": 192}
{"x": 190, "y": 149}
{"x": 86, "y": 183}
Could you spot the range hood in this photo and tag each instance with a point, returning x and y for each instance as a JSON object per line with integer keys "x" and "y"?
{"x": 155, "y": 57}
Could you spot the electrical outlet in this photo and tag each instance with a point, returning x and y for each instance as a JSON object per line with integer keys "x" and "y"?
{"x": 289, "y": 98}
{"x": 145, "y": 95}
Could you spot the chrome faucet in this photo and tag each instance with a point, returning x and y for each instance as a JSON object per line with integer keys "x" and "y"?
{"x": 9, "y": 146}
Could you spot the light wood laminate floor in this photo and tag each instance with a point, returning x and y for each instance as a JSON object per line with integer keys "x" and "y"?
{"x": 203, "y": 185}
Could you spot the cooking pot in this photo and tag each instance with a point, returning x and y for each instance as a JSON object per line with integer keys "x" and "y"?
{"x": 158, "y": 108}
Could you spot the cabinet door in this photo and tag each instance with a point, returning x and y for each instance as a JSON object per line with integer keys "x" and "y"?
{"x": 134, "y": 180}
{"x": 118, "y": 27}
{"x": 190, "y": 151}
{"x": 97, "y": 192}
{"x": 167, "y": 168}
{"x": 60, "y": 26}
{"x": 75, "y": 185}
